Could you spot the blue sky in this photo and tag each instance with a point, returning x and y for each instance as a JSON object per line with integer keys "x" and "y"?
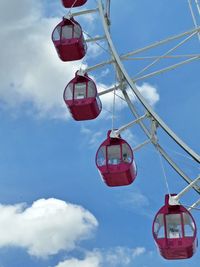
{"x": 55, "y": 211}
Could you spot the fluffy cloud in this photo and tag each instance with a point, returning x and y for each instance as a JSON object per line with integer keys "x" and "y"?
{"x": 91, "y": 260}
{"x": 45, "y": 228}
{"x": 119, "y": 256}
{"x": 31, "y": 72}
{"x": 148, "y": 91}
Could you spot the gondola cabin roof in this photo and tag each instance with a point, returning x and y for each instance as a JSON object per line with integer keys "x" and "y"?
{"x": 174, "y": 231}
{"x": 81, "y": 98}
{"x": 73, "y": 3}
{"x": 68, "y": 40}
{"x": 115, "y": 161}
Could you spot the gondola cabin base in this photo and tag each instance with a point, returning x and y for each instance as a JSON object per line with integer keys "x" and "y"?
{"x": 118, "y": 176}
{"x": 73, "y": 3}
{"x": 68, "y": 40}
{"x": 177, "y": 248}
{"x": 174, "y": 231}
{"x": 115, "y": 162}
{"x": 83, "y": 110}
{"x": 81, "y": 98}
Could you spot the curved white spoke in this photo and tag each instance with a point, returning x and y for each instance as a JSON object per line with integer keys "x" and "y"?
{"x": 192, "y": 153}
{"x": 172, "y": 67}
{"x": 163, "y": 57}
{"x": 167, "y": 53}
{"x": 158, "y": 43}
{"x": 193, "y": 15}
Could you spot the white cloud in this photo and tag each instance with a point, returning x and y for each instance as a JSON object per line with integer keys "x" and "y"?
{"x": 138, "y": 251}
{"x": 148, "y": 91}
{"x": 136, "y": 201}
{"x": 107, "y": 99}
{"x": 121, "y": 256}
{"x": 93, "y": 138}
{"x": 85, "y": 130}
{"x": 31, "y": 71}
{"x": 94, "y": 49}
{"x": 118, "y": 256}
{"x": 45, "y": 228}
{"x": 91, "y": 260}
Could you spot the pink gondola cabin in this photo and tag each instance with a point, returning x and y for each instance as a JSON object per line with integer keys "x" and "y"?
{"x": 115, "y": 161}
{"x": 73, "y": 3}
{"x": 68, "y": 40}
{"x": 174, "y": 231}
{"x": 81, "y": 98}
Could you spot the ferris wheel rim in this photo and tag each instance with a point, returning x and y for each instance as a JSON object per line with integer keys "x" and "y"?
{"x": 152, "y": 137}
{"x": 118, "y": 61}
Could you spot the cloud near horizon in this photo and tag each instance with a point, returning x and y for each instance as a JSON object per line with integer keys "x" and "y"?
{"x": 46, "y": 227}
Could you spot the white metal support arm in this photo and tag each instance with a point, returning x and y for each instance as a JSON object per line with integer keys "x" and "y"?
{"x": 194, "y": 205}
{"x": 158, "y": 146}
{"x": 174, "y": 200}
{"x": 193, "y": 154}
{"x": 116, "y": 133}
{"x": 83, "y": 12}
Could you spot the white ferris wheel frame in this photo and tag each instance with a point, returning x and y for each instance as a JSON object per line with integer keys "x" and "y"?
{"x": 124, "y": 81}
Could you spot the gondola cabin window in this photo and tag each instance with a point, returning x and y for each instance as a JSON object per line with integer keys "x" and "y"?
{"x": 159, "y": 229}
{"x": 80, "y": 91}
{"x": 189, "y": 227}
{"x": 174, "y": 226}
{"x": 126, "y": 153}
{"x": 67, "y": 32}
{"x": 71, "y": 31}
{"x": 91, "y": 90}
{"x": 68, "y": 40}
{"x": 101, "y": 157}
{"x": 69, "y": 92}
{"x": 114, "y": 154}
{"x": 56, "y": 33}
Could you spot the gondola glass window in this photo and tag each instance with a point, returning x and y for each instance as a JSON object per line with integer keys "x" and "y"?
{"x": 114, "y": 155}
{"x": 80, "y": 91}
{"x": 69, "y": 92}
{"x": 126, "y": 153}
{"x": 56, "y": 33}
{"x": 189, "y": 227}
{"x": 101, "y": 157}
{"x": 174, "y": 226}
{"x": 159, "y": 229}
{"x": 67, "y": 32}
{"x": 91, "y": 89}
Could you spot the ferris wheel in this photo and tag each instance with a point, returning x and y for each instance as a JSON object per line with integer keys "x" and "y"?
{"x": 174, "y": 228}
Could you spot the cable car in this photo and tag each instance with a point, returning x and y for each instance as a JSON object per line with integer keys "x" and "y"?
{"x": 73, "y": 3}
{"x": 174, "y": 231}
{"x": 115, "y": 161}
{"x": 68, "y": 40}
{"x": 81, "y": 98}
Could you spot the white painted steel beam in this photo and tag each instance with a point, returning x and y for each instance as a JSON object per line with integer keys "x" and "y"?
{"x": 192, "y": 153}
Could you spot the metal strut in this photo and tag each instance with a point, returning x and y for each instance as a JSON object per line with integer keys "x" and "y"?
{"x": 156, "y": 121}
{"x": 161, "y": 123}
